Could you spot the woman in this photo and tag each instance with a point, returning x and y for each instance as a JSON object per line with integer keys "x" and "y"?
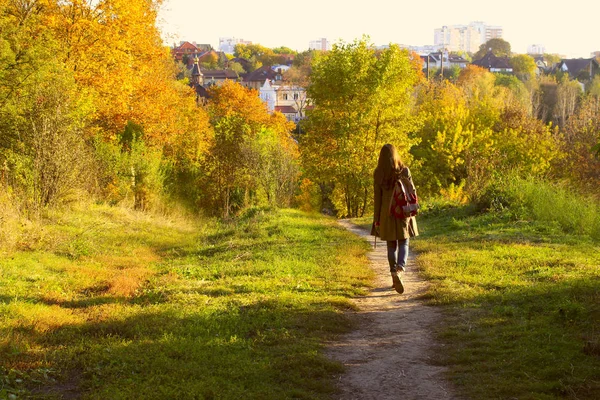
{"x": 395, "y": 231}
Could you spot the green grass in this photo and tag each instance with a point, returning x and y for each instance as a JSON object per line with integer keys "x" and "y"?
{"x": 104, "y": 303}
{"x": 522, "y": 302}
{"x": 520, "y": 291}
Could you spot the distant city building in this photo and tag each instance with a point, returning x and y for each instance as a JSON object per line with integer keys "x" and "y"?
{"x": 227, "y": 44}
{"x": 465, "y": 37}
{"x": 423, "y": 50}
{"x": 536, "y": 49}
{"x": 319, "y": 44}
{"x": 420, "y": 50}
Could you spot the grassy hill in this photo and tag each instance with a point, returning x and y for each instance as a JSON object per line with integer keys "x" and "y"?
{"x": 104, "y": 302}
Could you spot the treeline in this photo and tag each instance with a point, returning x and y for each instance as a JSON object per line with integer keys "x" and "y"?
{"x": 90, "y": 106}
{"x": 459, "y": 137}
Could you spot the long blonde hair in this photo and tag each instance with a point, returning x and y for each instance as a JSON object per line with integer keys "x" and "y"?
{"x": 389, "y": 166}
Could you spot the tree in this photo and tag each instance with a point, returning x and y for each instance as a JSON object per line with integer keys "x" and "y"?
{"x": 475, "y": 129}
{"x": 247, "y": 141}
{"x": 107, "y": 60}
{"x": 297, "y": 78}
{"x": 237, "y": 67}
{"x": 581, "y": 145}
{"x": 305, "y": 58}
{"x": 257, "y": 53}
{"x": 498, "y": 46}
{"x": 551, "y": 59}
{"x": 524, "y": 67}
{"x": 283, "y": 50}
{"x": 568, "y": 93}
{"x": 361, "y": 101}
{"x": 42, "y": 113}
{"x": 517, "y": 90}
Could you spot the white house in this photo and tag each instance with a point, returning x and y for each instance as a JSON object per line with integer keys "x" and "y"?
{"x": 290, "y": 100}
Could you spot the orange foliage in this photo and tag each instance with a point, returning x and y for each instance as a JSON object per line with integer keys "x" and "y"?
{"x": 115, "y": 52}
{"x": 232, "y": 99}
{"x": 470, "y": 74}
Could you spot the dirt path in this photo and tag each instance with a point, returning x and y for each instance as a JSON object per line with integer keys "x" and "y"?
{"x": 389, "y": 355}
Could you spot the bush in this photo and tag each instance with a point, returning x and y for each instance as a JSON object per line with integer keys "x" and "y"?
{"x": 130, "y": 170}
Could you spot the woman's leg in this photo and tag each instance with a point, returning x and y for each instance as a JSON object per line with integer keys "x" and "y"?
{"x": 392, "y": 246}
{"x": 402, "y": 253}
{"x": 397, "y": 283}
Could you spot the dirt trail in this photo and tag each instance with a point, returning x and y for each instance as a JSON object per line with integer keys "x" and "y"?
{"x": 389, "y": 355}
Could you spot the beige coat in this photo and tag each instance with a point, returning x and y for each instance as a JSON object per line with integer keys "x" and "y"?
{"x": 391, "y": 228}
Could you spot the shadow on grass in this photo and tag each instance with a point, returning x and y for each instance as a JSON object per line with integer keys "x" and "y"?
{"x": 522, "y": 320}
{"x": 531, "y": 341}
{"x": 268, "y": 349}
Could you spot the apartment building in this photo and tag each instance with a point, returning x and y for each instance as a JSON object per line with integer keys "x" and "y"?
{"x": 227, "y": 44}
{"x": 465, "y": 37}
{"x": 321, "y": 44}
{"x": 535, "y": 49}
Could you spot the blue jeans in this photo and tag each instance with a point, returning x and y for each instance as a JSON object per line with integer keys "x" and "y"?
{"x": 397, "y": 252}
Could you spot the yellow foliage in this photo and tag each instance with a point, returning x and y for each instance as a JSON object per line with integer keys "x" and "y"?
{"x": 309, "y": 198}
{"x": 455, "y": 193}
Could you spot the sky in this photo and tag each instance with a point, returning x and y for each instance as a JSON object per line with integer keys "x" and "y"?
{"x": 570, "y": 29}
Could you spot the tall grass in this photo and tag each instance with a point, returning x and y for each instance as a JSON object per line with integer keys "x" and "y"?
{"x": 544, "y": 201}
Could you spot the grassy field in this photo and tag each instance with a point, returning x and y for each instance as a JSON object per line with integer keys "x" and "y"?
{"x": 521, "y": 300}
{"x": 105, "y": 303}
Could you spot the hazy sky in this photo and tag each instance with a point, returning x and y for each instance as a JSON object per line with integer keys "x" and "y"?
{"x": 571, "y": 29}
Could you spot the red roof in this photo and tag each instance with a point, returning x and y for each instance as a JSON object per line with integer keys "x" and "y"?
{"x": 286, "y": 109}
{"x": 186, "y": 45}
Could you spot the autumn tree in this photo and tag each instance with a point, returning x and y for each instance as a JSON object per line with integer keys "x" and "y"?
{"x": 257, "y": 53}
{"x": 444, "y": 138}
{"x": 580, "y": 138}
{"x": 283, "y": 50}
{"x": 361, "y": 102}
{"x": 94, "y": 69}
{"x": 251, "y": 148}
{"x": 42, "y": 114}
{"x": 551, "y": 59}
{"x": 568, "y": 93}
{"x": 297, "y": 80}
{"x": 477, "y": 129}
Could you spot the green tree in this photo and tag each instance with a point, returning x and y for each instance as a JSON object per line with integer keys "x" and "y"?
{"x": 236, "y": 67}
{"x": 516, "y": 88}
{"x": 283, "y": 50}
{"x": 498, "y": 46}
{"x": 305, "y": 58}
{"x": 361, "y": 101}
